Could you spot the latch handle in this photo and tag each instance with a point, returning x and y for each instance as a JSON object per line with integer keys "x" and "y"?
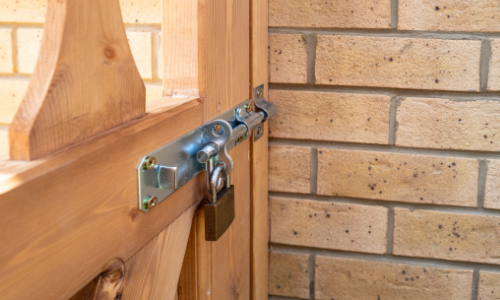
{"x": 219, "y": 132}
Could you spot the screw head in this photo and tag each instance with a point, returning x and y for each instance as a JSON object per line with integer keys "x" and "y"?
{"x": 249, "y": 108}
{"x": 260, "y": 93}
{"x": 148, "y": 162}
{"x": 239, "y": 140}
{"x": 259, "y": 131}
{"x": 150, "y": 202}
{"x": 217, "y": 127}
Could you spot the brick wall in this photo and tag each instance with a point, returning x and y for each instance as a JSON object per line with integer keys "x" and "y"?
{"x": 21, "y": 29}
{"x": 384, "y": 157}
{"x": 384, "y": 164}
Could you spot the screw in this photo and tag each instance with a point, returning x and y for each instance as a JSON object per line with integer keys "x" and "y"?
{"x": 217, "y": 127}
{"x": 259, "y": 131}
{"x": 150, "y": 202}
{"x": 260, "y": 94}
{"x": 239, "y": 140}
{"x": 148, "y": 162}
{"x": 248, "y": 108}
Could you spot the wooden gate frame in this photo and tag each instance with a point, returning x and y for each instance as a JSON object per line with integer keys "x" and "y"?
{"x": 82, "y": 137}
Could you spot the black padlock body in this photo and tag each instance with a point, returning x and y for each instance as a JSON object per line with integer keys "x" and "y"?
{"x": 220, "y": 215}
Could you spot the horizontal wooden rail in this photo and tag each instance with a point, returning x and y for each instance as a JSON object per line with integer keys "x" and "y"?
{"x": 63, "y": 217}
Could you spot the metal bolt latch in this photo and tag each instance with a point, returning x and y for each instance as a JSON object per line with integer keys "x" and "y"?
{"x": 168, "y": 168}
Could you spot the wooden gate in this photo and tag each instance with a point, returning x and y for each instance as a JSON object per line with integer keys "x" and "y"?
{"x": 69, "y": 223}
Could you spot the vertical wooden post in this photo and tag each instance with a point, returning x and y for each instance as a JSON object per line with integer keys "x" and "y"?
{"x": 84, "y": 83}
{"x": 206, "y": 52}
{"x": 259, "y": 156}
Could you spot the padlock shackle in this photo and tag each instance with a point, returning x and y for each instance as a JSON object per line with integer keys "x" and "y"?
{"x": 214, "y": 178}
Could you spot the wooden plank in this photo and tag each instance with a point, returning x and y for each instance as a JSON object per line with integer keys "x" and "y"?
{"x": 226, "y": 55}
{"x": 218, "y": 72}
{"x": 153, "y": 273}
{"x": 221, "y": 270}
{"x": 85, "y": 81}
{"x": 64, "y": 216}
{"x": 189, "y": 282}
{"x": 181, "y": 42}
{"x": 106, "y": 286}
{"x": 230, "y": 259}
{"x": 259, "y": 156}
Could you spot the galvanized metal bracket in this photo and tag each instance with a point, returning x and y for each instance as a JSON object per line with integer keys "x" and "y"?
{"x": 168, "y": 168}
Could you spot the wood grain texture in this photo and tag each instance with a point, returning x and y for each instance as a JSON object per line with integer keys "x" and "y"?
{"x": 227, "y": 54}
{"x": 153, "y": 273}
{"x": 221, "y": 270}
{"x": 230, "y": 260}
{"x": 85, "y": 81}
{"x": 259, "y": 156}
{"x": 181, "y": 42}
{"x": 85, "y": 211}
{"x": 195, "y": 277}
{"x": 106, "y": 286}
{"x": 206, "y": 52}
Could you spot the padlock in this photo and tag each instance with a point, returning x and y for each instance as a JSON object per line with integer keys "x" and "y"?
{"x": 219, "y": 211}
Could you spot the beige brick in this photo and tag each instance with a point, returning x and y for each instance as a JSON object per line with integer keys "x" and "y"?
{"x": 23, "y": 11}
{"x": 352, "y": 279}
{"x": 287, "y": 58}
{"x": 319, "y": 224}
{"x": 398, "y": 62}
{"x": 4, "y": 142}
{"x": 141, "y": 45}
{"x": 333, "y": 13}
{"x": 489, "y": 286}
{"x": 6, "y": 63}
{"x": 289, "y": 169}
{"x": 398, "y": 177}
{"x": 492, "y": 189}
{"x": 153, "y": 91}
{"x": 11, "y": 94}
{"x": 449, "y": 236}
{"x": 447, "y": 124}
{"x": 141, "y": 11}
{"x": 449, "y": 15}
{"x": 288, "y": 275}
{"x": 494, "y": 71}
{"x": 28, "y": 46}
{"x": 330, "y": 116}
{"x": 33, "y": 11}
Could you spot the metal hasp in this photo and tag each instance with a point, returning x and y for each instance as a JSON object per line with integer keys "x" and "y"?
{"x": 163, "y": 171}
